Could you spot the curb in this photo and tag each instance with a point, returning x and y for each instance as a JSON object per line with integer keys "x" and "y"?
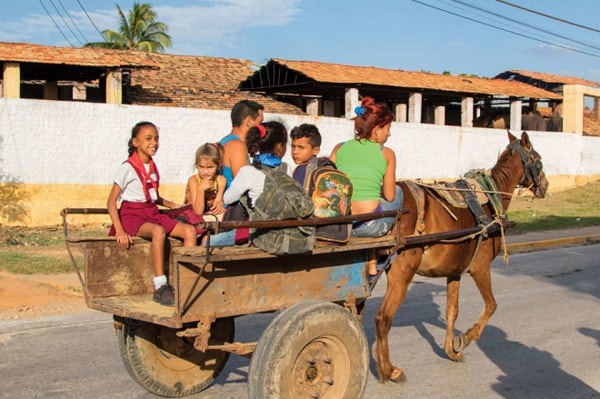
{"x": 525, "y": 247}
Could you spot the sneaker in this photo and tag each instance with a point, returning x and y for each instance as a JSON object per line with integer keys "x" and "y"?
{"x": 164, "y": 295}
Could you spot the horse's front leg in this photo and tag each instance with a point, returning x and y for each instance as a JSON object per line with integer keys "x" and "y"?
{"x": 399, "y": 277}
{"x": 453, "y": 346}
{"x": 482, "y": 276}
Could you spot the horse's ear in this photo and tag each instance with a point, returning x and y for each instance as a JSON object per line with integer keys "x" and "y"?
{"x": 525, "y": 143}
{"x": 511, "y": 138}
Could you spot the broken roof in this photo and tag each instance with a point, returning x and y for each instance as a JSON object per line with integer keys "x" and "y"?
{"x": 283, "y": 75}
{"x": 547, "y": 77}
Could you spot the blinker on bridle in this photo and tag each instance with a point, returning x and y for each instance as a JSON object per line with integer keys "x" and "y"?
{"x": 533, "y": 167}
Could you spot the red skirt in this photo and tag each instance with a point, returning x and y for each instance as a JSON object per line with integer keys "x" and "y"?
{"x": 134, "y": 214}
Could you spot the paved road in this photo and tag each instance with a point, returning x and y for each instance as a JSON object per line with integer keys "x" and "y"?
{"x": 543, "y": 342}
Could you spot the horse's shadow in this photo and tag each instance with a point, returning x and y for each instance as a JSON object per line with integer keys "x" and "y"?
{"x": 590, "y": 332}
{"x": 529, "y": 372}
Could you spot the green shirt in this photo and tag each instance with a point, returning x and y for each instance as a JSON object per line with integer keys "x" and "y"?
{"x": 364, "y": 163}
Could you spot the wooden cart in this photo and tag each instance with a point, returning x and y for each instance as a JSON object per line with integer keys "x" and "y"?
{"x": 314, "y": 347}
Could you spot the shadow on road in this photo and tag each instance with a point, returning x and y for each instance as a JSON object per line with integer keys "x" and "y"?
{"x": 529, "y": 372}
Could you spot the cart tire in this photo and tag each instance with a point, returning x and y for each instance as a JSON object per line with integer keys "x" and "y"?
{"x": 313, "y": 349}
{"x": 168, "y": 365}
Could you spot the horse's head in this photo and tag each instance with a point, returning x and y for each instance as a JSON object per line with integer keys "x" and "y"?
{"x": 534, "y": 177}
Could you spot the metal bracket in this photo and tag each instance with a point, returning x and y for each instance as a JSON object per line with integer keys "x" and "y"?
{"x": 201, "y": 332}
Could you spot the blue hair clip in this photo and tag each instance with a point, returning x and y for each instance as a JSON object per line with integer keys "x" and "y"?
{"x": 360, "y": 111}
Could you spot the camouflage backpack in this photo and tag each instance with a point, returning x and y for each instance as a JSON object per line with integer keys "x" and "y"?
{"x": 282, "y": 198}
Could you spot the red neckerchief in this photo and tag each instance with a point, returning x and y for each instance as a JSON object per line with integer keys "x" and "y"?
{"x": 145, "y": 177}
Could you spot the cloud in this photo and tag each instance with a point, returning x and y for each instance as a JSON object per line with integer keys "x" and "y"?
{"x": 198, "y": 29}
{"x": 195, "y": 29}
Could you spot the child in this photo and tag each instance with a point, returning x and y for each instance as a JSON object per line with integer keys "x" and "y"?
{"x": 266, "y": 144}
{"x": 136, "y": 186}
{"x": 205, "y": 188}
{"x": 306, "y": 144}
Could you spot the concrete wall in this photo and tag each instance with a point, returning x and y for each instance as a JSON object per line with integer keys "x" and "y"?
{"x": 67, "y": 153}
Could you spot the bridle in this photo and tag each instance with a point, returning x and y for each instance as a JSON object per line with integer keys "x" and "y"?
{"x": 532, "y": 164}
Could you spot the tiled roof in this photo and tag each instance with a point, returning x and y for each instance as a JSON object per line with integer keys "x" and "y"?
{"x": 352, "y": 75}
{"x": 198, "y": 82}
{"x": 552, "y": 78}
{"x": 92, "y": 57}
{"x": 157, "y": 79}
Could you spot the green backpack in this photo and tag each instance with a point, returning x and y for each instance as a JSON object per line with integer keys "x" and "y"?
{"x": 282, "y": 198}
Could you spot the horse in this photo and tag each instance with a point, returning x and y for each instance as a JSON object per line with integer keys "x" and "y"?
{"x": 518, "y": 165}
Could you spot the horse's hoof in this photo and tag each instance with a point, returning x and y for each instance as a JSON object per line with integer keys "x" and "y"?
{"x": 398, "y": 376}
{"x": 460, "y": 342}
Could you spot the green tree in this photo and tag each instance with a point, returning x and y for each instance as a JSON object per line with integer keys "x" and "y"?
{"x": 138, "y": 31}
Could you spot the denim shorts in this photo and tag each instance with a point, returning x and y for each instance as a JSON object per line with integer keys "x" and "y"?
{"x": 379, "y": 227}
{"x": 222, "y": 239}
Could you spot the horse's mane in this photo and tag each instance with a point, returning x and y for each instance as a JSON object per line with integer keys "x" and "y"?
{"x": 501, "y": 171}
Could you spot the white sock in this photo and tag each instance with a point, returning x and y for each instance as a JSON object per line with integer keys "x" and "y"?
{"x": 159, "y": 281}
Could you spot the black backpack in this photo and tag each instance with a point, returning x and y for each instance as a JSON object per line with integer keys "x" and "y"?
{"x": 282, "y": 198}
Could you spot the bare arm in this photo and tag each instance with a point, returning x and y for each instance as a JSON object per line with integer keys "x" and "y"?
{"x": 196, "y": 195}
{"x": 388, "y": 190}
{"x": 167, "y": 203}
{"x": 124, "y": 240}
{"x": 334, "y": 152}
{"x": 237, "y": 155}
{"x": 218, "y": 205}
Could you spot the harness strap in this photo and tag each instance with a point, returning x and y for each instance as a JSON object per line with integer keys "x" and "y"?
{"x": 471, "y": 200}
{"x": 419, "y": 196}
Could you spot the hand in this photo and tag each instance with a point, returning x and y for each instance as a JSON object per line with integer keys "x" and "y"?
{"x": 124, "y": 240}
{"x": 217, "y": 208}
{"x": 205, "y": 184}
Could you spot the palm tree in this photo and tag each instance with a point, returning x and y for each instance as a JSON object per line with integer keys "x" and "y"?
{"x": 139, "y": 31}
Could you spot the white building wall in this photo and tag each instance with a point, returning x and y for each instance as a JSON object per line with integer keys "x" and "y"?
{"x": 67, "y": 153}
{"x": 50, "y": 142}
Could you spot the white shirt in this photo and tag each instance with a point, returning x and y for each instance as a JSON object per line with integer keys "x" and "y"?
{"x": 248, "y": 179}
{"x": 132, "y": 189}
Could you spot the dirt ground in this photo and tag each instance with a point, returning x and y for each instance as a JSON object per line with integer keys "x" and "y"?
{"x": 29, "y": 296}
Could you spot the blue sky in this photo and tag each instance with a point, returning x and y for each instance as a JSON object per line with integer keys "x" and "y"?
{"x": 413, "y": 35}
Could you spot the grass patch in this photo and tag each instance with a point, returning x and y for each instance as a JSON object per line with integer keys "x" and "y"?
{"x": 24, "y": 263}
{"x": 26, "y": 250}
{"x": 567, "y": 209}
{"x": 42, "y": 250}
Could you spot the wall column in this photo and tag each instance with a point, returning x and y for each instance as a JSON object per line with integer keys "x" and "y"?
{"x": 573, "y": 108}
{"x": 312, "y": 107}
{"x": 114, "y": 87}
{"x": 11, "y": 80}
{"x": 439, "y": 115}
{"x": 466, "y": 111}
{"x": 351, "y": 101}
{"x": 596, "y": 112}
{"x": 401, "y": 112}
{"x": 415, "y": 107}
{"x": 515, "y": 114}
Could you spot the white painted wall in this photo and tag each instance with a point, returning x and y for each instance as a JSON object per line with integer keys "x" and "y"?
{"x": 50, "y": 142}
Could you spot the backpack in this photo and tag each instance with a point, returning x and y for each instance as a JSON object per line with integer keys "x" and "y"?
{"x": 331, "y": 193}
{"x": 282, "y": 198}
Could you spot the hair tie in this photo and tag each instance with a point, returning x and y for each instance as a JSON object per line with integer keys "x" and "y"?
{"x": 262, "y": 132}
{"x": 360, "y": 111}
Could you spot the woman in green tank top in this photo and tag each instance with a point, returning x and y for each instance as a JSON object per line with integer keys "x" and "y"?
{"x": 372, "y": 168}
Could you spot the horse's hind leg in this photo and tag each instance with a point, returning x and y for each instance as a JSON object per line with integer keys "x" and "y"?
{"x": 453, "y": 346}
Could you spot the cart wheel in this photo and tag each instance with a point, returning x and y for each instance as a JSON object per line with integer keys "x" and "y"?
{"x": 168, "y": 365}
{"x": 313, "y": 349}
